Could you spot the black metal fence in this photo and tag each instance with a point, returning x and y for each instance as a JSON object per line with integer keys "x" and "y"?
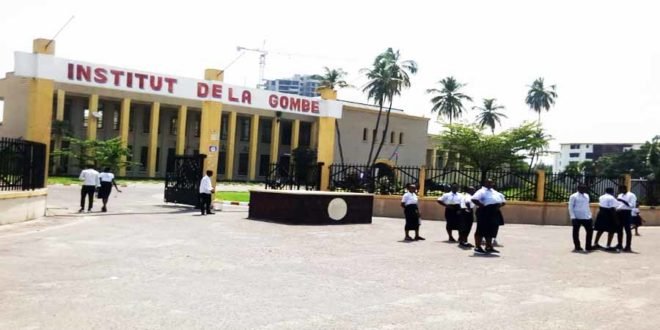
{"x": 514, "y": 185}
{"x": 293, "y": 177}
{"x": 560, "y": 186}
{"x": 380, "y": 179}
{"x": 647, "y": 191}
{"x": 22, "y": 164}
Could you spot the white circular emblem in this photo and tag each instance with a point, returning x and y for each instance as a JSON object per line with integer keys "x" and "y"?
{"x": 337, "y": 209}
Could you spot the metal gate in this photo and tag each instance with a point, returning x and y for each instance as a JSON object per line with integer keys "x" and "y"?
{"x": 182, "y": 184}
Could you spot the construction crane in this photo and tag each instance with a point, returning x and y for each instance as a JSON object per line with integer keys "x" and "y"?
{"x": 262, "y": 62}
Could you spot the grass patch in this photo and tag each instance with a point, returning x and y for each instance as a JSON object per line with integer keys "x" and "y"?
{"x": 233, "y": 196}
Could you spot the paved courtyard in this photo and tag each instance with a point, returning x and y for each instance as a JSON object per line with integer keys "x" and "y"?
{"x": 146, "y": 265}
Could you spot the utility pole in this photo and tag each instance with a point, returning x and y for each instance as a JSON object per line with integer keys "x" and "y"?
{"x": 262, "y": 62}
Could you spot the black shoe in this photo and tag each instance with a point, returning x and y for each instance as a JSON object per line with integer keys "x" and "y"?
{"x": 468, "y": 245}
{"x": 627, "y": 250}
{"x": 451, "y": 239}
{"x": 89, "y": 210}
{"x": 104, "y": 210}
{"x": 210, "y": 213}
{"x": 597, "y": 247}
{"x": 408, "y": 239}
{"x": 420, "y": 238}
{"x": 491, "y": 250}
{"x": 479, "y": 250}
{"x": 81, "y": 210}
{"x": 578, "y": 249}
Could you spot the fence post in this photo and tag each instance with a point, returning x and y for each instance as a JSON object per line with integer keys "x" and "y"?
{"x": 422, "y": 180}
{"x": 540, "y": 185}
{"x": 627, "y": 181}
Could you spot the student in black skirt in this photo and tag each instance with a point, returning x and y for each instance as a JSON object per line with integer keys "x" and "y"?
{"x": 411, "y": 212}
{"x": 606, "y": 220}
{"x": 636, "y": 219}
{"x": 452, "y": 201}
{"x": 107, "y": 180}
{"x": 489, "y": 216}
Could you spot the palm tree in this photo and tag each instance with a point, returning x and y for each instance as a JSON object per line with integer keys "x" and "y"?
{"x": 489, "y": 115}
{"x": 450, "y": 101}
{"x": 539, "y": 98}
{"x": 387, "y": 78}
{"x": 332, "y": 78}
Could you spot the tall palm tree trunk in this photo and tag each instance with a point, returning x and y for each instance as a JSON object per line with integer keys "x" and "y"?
{"x": 341, "y": 150}
{"x": 373, "y": 136}
{"x": 384, "y": 137}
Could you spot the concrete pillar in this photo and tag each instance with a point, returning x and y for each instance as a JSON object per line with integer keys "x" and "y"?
{"x": 540, "y": 185}
{"x": 627, "y": 181}
{"x": 274, "y": 140}
{"x": 61, "y": 95}
{"x": 326, "y": 140}
{"x": 231, "y": 146}
{"x": 209, "y": 136}
{"x": 125, "y": 117}
{"x": 153, "y": 139}
{"x": 181, "y": 130}
{"x": 295, "y": 134}
{"x": 92, "y": 121}
{"x": 254, "y": 146}
{"x": 40, "y": 103}
{"x": 434, "y": 158}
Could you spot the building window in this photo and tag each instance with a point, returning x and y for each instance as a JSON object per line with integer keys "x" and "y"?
{"x": 146, "y": 115}
{"x": 586, "y": 146}
{"x": 129, "y": 158}
{"x": 157, "y": 159}
{"x": 86, "y": 118}
{"x": 286, "y": 133}
{"x": 173, "y": 125}
{"x": 245, "y": 129}
{"x": 222, "y": 162}
{"x": 242, "y": 163}
{"x": 373, "y": 135}
{"x": 115, "y": 120}
{"x": 99, "y": 119}
{"x": 264, "y": 164}
{"x": 305, "y": 134}
{"x": 589, "y": 155}
{"x": 224, "y": 123}
{"x": 196, "y": 128}
{"x": 392, "y": 137}
{"x": 575, "y": 146}
{"x": 144, "y": 154}
{"x": 401, "y": 138}
{"x": 574, "y": 154}
{"x": 364, "y": 134}
{"x": 131, "y": 119}
{"x": 266, "y": 130}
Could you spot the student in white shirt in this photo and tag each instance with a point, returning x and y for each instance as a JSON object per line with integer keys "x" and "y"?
{"x": 107, "y": 180}
{"x": 411, "y": 212}
{"x": 467, "y": 218}
{"x": 90, "y": 178}
{"x": 628, "y": 201}
{"x": 580, "y": 213}
{"x": 452, "y": 202}
{"x": 606, "y": 218}
{"x": 205, "y": 193}
{"x": 636, "y": 219}
{"x": 489, "y": 216}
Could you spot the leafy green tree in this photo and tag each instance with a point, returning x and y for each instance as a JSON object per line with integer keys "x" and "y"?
{"x": 449, "y": 101}
{"x": 334, "y": 78}
{"x": 107, "y": 153}
{"x": 388, "y": 76}
{"x": 492, "y": 151}
{"x": 539, "y": 97}
{"x": 488, "y": 115}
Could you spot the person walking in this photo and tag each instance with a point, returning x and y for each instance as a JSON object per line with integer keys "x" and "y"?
{"x": 90, "y": 178}
{"x": 205, "y": 193}
{"x": 411, "y": 212}
{"x": 467, "y": 218}
{"x": 452, "y": 201}
{"x": 580, "y": 213}
{"x": 636, "y": 219}
{"x": 489, "y": 216}
{"x": 606, "y": 218}
{"x": 628, "y": 201}
{"x": 107, "y": 180}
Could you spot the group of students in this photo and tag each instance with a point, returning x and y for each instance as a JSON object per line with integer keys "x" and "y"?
{"x": 616, "y": 215}
{"x": 459, "y": 214}
{"x": 95, "y": 182}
